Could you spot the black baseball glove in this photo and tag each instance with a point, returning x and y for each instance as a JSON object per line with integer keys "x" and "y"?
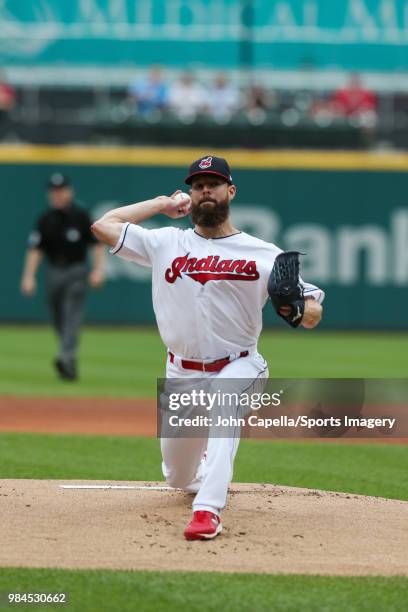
{"x": 285, "y": 289}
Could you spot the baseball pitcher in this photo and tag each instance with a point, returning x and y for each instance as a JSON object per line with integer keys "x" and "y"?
{"x": 209, "y": 286}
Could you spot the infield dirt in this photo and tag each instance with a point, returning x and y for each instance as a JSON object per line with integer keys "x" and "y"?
{"x": 267, "y": 529}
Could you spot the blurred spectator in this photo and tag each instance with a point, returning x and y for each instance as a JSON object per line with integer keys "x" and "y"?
{"x": 354, "y": 102}
{"x": 224, "y": 99}
{"x": 7, "y": 102}
{"x": 188, "y": 98}
{"x": 258, "y": 102}
{"x": 354, "y": 99}
{"x": 258, "y": 97}
{"x": 7, "y": 95}
{"x": 150, "y": 93}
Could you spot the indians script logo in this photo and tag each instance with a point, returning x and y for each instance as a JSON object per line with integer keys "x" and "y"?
{"x": 205, "y": 163}
{"x": 211, "y": 268}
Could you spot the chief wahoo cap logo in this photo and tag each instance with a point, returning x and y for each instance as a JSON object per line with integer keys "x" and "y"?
{"x": 205, "y": 163}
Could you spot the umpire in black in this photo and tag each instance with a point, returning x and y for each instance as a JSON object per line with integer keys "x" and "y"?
{"x": 63, "y": 235}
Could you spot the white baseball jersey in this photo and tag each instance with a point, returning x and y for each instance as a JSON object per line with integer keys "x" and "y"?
{"x": 208, "y": 294}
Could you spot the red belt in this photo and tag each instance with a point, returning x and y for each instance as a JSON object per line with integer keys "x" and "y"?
{"x": 214, "y": 366}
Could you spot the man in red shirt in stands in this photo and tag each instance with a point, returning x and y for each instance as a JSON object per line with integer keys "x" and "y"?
{"x": 353, "y": 99}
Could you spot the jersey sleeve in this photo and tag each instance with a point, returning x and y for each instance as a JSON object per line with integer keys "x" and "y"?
{"x": 313, "y": 291}
{"x": 141, "y": 245}
{"x": 36, "y": 238}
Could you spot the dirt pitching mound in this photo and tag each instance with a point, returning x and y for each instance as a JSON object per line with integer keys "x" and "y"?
{"x": 267, "y": 528}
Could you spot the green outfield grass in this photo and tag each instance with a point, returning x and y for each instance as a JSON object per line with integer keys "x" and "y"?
{"x": 119, "y": 362}
{"x": 366, "y": 469}
{"x": 125, "y": 363}
{"x": 374, "y": 470}
{"x": 156, "y": 591}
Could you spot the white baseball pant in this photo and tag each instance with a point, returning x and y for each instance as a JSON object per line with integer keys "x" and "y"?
{"x": 183, "y": 464}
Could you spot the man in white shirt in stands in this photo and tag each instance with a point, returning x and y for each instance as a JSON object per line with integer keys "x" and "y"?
{"x": 188, "y": 98}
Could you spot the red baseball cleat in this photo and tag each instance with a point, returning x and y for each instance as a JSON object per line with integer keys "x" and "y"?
{"x": 204, "y": 526}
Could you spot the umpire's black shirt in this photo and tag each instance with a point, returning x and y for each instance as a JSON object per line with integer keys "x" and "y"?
{"x": 63, "y": 235}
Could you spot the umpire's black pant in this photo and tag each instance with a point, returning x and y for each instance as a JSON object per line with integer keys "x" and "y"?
{"x": 66, "y": 288}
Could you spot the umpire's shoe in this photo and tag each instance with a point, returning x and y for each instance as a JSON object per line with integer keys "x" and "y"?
{"x": 66, "y": 370}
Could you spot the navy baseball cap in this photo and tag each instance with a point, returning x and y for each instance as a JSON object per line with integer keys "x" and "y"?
{"x": 209, "y": 165}
{"x": 57, "y": 181}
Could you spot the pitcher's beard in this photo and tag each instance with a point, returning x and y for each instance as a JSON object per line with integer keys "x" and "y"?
{"x": 210, "y": 216}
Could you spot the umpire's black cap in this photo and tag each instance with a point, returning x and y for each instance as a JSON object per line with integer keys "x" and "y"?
{"x": 209, "y": 165}
{"x": 57, "y": 181}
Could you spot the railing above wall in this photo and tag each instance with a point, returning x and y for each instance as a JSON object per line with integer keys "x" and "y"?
{"x": 105, "y": 115}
